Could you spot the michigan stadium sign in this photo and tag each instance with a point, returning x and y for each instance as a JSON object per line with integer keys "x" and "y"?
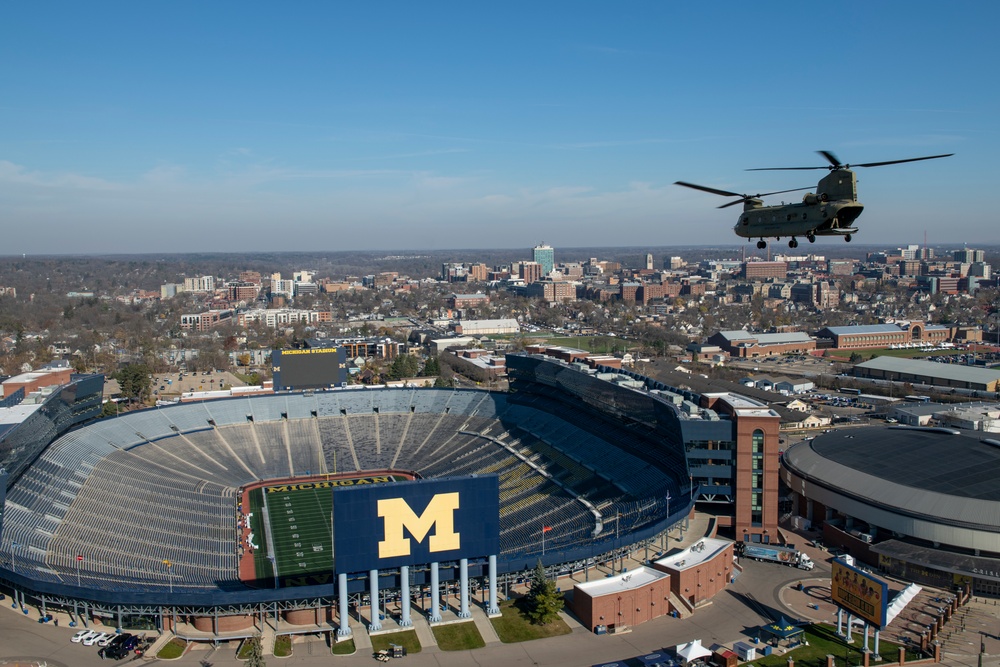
{"x": 409, "y": 523}
{"x": 859, "y": 593}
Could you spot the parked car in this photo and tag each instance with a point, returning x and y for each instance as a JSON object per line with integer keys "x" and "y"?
{"x": 90, "y": 641}
{"x": 83, "y": 635}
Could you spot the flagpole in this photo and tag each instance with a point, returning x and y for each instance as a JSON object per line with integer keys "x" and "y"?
{"x": 543, "y": 540}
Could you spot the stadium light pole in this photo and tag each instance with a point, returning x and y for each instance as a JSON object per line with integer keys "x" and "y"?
{"x": 170, "y": 579}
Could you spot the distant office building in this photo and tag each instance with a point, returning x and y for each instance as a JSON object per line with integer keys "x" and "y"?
{"x": 170, "y": 290}
{"x": 530, "y": 272}
{"x": 250, "y": 277}
{"x": 552, "y": 291}
{"x": 649, "y": 261}
{"x": 545, "y": 256}
{"x": 765, "y": 270}
{"x": 242, "y": 291}
{"x": 674, "y": 263}
{"x": 206, "y": 321}
{"x": 969, "y": 256}
{"x": 202, "y": 284}
{"x": 461, "y": 301}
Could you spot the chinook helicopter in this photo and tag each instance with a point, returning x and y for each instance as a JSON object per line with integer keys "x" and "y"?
{"x": 830, "y": 211}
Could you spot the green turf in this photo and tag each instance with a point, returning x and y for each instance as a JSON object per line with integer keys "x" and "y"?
{"x": 823, "y": 641}
{"x": 515, "y": 626}
{"x": 458, "y": 637}
{"x": 345, "y": 647}
{"x": 300, "y": 529}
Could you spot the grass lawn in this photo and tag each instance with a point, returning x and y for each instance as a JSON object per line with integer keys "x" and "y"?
{"x": 823, "y": 641}
{"x": 282, "y": 646}
{"x": 407, "y": 639}
{"x": 458, "y": 637}
{"x": 244, "y": 652}
{"x": 344, "y": 648}
{"x": 173, "y": 649}
{"x": 514, "y": 626}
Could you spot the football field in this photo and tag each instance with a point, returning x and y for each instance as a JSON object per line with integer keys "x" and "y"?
{"x": 297, "y": 533}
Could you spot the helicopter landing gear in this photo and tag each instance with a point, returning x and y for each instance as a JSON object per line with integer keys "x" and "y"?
{"x": 762, "y": 244}
{"x": 793, "y": 243}
{"x": 847, "y": 237}
{"x": 811, "y": 238}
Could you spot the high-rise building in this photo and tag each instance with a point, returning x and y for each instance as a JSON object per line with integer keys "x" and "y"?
{"x": 545, "y": 256}
{"x": 649, "y": 261}
{"x": 969, "y": 256}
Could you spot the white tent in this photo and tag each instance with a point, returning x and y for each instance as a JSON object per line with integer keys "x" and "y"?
{"x": 692, "y": 651}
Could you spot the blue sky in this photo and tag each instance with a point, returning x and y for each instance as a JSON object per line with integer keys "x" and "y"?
{"x": 188, "y": 126}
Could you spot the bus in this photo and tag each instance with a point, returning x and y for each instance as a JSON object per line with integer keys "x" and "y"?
{"x": 856, "y": 392}
{"x": 917, "y": 399}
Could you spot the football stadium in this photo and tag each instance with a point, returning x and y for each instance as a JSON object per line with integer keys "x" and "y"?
{"x": 214, "y": 513}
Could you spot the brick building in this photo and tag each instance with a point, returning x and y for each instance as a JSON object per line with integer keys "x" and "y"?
{"x": 765, "y": 270}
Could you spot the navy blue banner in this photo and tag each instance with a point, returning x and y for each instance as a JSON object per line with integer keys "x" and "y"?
{"x": 384, "y": 526}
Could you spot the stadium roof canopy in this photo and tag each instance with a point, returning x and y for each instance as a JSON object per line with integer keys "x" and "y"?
{"x": 936, "y": 369}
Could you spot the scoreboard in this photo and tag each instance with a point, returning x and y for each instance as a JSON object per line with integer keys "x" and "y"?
{"x": 319, "y": 368}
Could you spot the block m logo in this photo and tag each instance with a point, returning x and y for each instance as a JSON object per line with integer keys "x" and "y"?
{"x": 397, "y": 515}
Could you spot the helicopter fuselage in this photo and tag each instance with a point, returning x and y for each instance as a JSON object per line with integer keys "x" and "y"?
{"x": 831, "y": 211}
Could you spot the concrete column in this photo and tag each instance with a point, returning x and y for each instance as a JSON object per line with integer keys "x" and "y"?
{"x": 876, "y": 644}
{"x": 345, "y": 622}
{"x": 866, "y": 637}
{"x": 494, "y": 608}
{"x": 376, "y": 624}
{"x": 435, "y": 595}
{"x": 404, "y": 597}
{"x": 463, "y": 588}
{"x": 850, "y": 622}
{"x": 840, "y": 622}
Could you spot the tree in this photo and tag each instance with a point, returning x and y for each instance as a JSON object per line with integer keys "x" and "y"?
{"x": 543, "y": 601}
{"x": 431, "y": 368}
{"x": 134, "y": 382}
{"x": 256, "y": 653}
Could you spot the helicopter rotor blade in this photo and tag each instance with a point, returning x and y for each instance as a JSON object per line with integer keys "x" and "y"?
{"x": 835, "y": 163}
{"x": 831, "y": 158}
{"x": 724, "y": 193}
{"x": 785, "y": 168}
{"x": 778, "y": 192}
{"x": 732, "y": 203}
{"x": 912, "y": 159}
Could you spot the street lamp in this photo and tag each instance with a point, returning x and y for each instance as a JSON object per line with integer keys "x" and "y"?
{"x": 13, "y": 546}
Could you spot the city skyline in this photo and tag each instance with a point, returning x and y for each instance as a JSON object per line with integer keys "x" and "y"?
{"x": 141, "y": 128}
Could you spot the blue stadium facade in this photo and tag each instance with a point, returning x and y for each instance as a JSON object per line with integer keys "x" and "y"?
{"x": 600, "y": 458}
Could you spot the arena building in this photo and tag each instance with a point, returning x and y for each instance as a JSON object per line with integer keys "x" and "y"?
{"x": 918, "y": 503}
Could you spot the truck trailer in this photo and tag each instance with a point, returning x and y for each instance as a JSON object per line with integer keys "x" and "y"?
{"x": 776, "y": 554}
